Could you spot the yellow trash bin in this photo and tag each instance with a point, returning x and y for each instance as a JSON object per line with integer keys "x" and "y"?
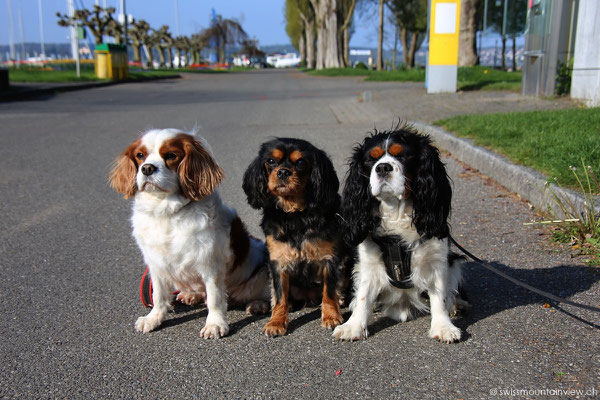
{"x": 111, "y": 61}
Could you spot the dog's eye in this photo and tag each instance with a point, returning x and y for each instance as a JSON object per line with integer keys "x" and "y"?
{"x": 271, "y": 162}
{"x": 300, "y": 163}
{"x": 170, "y": 156}
{"x": 140, "y": 156}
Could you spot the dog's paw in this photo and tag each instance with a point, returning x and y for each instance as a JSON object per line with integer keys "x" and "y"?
{"x": 147, "y": 323}
{"x": 350, "y": 331}
{"x": 331, "y": 320}
{"x": 191, "y": 299}
{"x": 445, "y": 332}
{"x": 273, "y": 329}
{"x": 214, "y": 331}
{"x": 257, "y": 307}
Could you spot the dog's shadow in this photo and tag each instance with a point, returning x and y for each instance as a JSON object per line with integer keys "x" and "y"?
{"x": 182, "y": 314}
{"x": 490, "y": 294}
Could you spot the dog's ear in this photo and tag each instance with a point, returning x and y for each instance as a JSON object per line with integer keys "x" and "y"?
{"x": 255, "y": 183}
{"x": 123, "y": 172}
{"x": 199, "y": 173}
{"x": 323, "y": 184}
{"x": 432, "y": 193}
{"x": 358, "y": 218}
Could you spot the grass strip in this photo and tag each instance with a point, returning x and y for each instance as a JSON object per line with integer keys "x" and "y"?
{"x": 548, "y": 141}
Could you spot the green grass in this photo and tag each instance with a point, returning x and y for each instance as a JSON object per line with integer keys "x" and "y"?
{"x": 38, "y": 75}
{"x": 548, "y": 141}
{"x": 469, "y": 78}
{"x": 30, "y": 75}
{"x": 477, "y": 78}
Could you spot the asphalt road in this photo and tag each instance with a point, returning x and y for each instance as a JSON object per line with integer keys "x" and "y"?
{"x": 69, "y": 268}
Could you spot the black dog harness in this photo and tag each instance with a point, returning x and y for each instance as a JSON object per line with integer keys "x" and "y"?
{"x": 396, "y": 257}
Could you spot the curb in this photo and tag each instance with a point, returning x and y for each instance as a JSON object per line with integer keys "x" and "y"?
{"x": 27, "y": 94}
{"x": 524, "y": 181}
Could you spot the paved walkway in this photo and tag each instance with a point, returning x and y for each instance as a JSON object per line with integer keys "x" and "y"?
{"x": 70, "y": 269}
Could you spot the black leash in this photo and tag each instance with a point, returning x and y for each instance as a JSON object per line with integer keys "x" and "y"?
{"x": 522, "y": 284}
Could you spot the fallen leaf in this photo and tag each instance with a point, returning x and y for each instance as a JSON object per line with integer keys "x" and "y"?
{"x": 339, "y": 371}
{"x": 546, "y": 305}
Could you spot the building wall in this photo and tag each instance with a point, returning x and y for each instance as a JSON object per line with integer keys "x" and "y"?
{"x": 585, "y": 84}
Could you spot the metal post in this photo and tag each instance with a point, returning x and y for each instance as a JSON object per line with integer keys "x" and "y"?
{"x": 177, "y": 18}
{"x": 504, "y": 12}
{"x": 485, "y": 11}
{"x": 43, "y": 55}
{"x": 22, "y": 31}
{"x": 74, "y": 37}
{"x": 124, "y": 12}
{"x": 11, "y": 30}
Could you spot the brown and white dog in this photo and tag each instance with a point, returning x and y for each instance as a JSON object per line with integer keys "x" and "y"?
{"x": 189, "y": 238}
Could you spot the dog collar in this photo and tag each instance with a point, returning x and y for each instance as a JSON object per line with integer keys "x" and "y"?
{"x": 396, "y": 257}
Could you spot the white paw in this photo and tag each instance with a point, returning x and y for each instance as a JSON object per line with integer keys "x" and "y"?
{"x": 444, "y": 332}
{"x": 350, "y": 331}
{"x": 148, "y": 323}
{"x": 214, "y": 331}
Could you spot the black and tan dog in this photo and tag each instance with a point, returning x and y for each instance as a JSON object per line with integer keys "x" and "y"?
{"x": 296, "y": 186}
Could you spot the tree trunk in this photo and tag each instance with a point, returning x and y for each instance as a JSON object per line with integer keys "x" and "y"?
{"x": 404, "y": 41}
{"x": 309, "y": 28}
{"x": 136, "y": 53}
{"x": 161, "y": 56}
{"x": 346, "y": 47}
{"x": 332, "y": 55}
{"x": 467, "y": 37}
{"x": 321, "y": 33}
{"x": 302, "y": 49}
{"x": 150, "y": 56}
{"x": 503, "y": 53}
{"x": 380, "y": 38}
{"x": 169, "y": 57}
{"x": 412, "y": 50}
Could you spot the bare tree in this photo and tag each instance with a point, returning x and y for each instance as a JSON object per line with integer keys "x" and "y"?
{"x": 97, "y": 20}
{"x": 410, "y": 16}
{"x": 137, "y": 32}
{"x": 327, "y": 28}
{"x": 307, "y": 14}
{"x": 380, "y": 37}
{"x": 346, "y": 10}
{"x": 224, "y": 32}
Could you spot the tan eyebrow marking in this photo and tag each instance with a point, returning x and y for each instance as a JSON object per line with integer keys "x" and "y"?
{"x": 395, "y": 149}
{"x": 295, "y": 156}
{"x": 377, "y": 152}
{"x": 277, "y": 154}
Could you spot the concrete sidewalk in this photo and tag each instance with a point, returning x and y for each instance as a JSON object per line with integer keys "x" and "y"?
{"x": 411, "y": 103}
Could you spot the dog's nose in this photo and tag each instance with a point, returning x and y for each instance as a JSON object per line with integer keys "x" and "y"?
{"x": 148, "y": 169}
{"x": 383, "y": 169}
{"x": 284, "y": 173}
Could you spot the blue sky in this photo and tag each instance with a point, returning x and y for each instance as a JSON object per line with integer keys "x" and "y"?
{"x": 262, "y": 19}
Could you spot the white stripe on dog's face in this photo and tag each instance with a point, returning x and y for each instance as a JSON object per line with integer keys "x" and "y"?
{"x": 387, "y": 178}
{"x": 162, "y": 179}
